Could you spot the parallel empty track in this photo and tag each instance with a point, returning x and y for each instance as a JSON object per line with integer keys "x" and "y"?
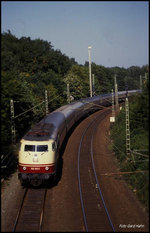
{"x": 95, "y": 213}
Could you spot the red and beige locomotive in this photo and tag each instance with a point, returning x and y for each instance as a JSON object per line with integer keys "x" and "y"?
{"x": 39, "y": 149}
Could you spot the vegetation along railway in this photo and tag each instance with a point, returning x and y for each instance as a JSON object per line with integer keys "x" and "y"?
{"x": 39, "y": 160}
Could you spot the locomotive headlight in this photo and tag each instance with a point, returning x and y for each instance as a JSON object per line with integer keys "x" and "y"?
{"x": 46, "y": 168}
{"x": 24, "y": 168}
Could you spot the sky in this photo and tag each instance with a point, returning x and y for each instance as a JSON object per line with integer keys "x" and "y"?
{"x": 117, "y": 31}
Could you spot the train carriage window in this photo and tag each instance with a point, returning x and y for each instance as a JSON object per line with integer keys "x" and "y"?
{"x": 29, "y": 148}
{"x": 42, "y": 148}
{"x": 54, "y": 146}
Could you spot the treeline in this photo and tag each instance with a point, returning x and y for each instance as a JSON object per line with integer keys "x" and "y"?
{"x": 138, "y": 161}
{"x": 29, "y": 67}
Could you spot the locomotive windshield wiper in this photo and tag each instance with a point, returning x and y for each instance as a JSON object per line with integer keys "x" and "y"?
{"x": 43, "y": 152}
{"x": 28, "y": 152}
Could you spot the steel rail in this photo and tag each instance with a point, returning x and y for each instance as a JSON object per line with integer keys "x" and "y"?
{"x": 42, "y": 212}
{"x": 92, "y": 122}
{"x": 79, "y": 180}
{"x": 97, "y": 182}
{"x": 19, "y": 211}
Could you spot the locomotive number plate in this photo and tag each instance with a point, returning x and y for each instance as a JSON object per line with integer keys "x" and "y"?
{"x": 35, "y": 168}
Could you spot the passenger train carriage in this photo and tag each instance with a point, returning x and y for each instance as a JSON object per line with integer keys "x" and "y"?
{"x": 39, "y": 149}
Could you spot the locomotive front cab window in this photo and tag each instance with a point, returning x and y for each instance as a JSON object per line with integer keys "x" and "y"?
{"x": 29, "y": 148}
{"x": 42, "y": 148}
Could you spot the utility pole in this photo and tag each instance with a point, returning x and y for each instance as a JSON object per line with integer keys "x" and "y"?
{"x": 146, "y": 78}
{"x": 127, "y": 127}
{"x": 140, "y": 82}
{"x": 113, "y": 107}
{"x": 93, "y": 87}
{"x": 112, "y": 119}
{"x": 126, "y": 89}
{"x": 46, "y": 102}
{"x": 68, "y": 93}
{"x": 116, "y": 93}
{"x": 13, "y": 132}
{"x": 90, "y": 78}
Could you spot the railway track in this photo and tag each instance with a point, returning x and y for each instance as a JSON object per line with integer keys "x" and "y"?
{"x": 62, "y": 210}
{"x": 30, "y": 215}
{"x": 95, "y": 212}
